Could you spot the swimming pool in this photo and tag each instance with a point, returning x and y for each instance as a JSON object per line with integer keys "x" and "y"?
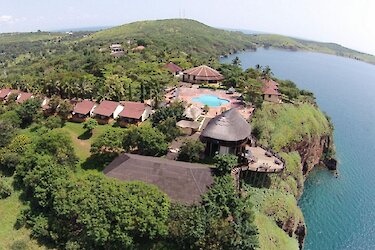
{"x": 210, "y": 100}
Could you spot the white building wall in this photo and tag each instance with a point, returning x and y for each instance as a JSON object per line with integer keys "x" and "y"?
{"x": 117, "y": 111}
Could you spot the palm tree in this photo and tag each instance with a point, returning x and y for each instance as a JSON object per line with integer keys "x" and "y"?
{"x": 267, "y": 73}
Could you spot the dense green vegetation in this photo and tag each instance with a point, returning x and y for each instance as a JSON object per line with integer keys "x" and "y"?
{"x": 96, "y": 211}
{"x": 280, "y": 126}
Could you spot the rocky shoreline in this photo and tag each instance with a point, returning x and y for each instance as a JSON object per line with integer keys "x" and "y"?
{"x": 313, "y": 153}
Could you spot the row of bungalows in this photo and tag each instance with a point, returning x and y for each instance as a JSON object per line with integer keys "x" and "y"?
{"x": 20, "y": 96}
{"x": 270, "y": 91}
{"x": 125, "y": 112}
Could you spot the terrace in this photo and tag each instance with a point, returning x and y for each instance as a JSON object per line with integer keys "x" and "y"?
{"x": 263, "y": 161}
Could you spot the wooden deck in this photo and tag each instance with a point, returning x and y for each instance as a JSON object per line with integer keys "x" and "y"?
{"x": 263, "y": 162}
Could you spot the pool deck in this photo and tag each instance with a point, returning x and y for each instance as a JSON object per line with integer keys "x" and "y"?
{"x": 187, "y": 94}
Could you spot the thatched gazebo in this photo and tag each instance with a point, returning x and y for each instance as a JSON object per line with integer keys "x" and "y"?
{"x": 202, "y": 74}
{"x": 227, "y": 133}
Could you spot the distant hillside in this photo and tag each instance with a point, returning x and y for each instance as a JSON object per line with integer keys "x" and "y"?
{"x": 284, "y": 42}
{"x": 196, "y": 38}
{"x": 8, "y": 38}
{"x": 185, "y": 35}
{"x": 178, "y": 34}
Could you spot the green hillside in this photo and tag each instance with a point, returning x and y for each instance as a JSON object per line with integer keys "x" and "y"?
{"x": 177, "y": 34}
{"x": 185, "y": 35}
{"x": 195, "y": 37}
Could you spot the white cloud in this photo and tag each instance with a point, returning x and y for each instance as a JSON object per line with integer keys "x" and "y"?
{"x": 7, "y": 19}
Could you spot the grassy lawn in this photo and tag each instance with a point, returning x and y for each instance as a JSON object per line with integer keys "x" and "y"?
{"x": 9, "y": 210}
{"x": 81, "y": 141}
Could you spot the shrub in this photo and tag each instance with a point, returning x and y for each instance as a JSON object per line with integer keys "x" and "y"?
{"x": 5, "y": 188}
{"x": 53, "y": 122}
{"x": 225, "y": 163}
{"x": 190, "y": 150}
{"x": 19, "y": 245}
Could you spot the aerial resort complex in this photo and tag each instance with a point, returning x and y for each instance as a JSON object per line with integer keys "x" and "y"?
{"x": 145, "y": 136}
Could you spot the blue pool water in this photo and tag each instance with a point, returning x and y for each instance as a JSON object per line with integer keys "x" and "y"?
{"x": 210, "y": 100}
{"x": 339, "y": 212}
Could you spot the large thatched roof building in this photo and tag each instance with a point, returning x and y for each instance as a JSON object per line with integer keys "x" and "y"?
{"x": 202, "y": 74}
{"x": 226, "y": 133}
{"x": 181, "y": 181}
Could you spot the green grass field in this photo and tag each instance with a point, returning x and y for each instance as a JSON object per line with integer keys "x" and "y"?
{"x": 81, "y": 141}
{"x": 9, "y": 236}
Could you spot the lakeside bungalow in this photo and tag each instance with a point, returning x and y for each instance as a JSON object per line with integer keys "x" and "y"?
{"x": 176, "y": 70}
{"x": 107, "y": 111}
{"x": 4, "y": 94}
{"x": 134, "y": 113}
{"x": 227, "y": 133}
{"x": 183, "y": 182}
{"x": 24, "y": 96}
{"x": 83, "y": 110}
{"x": 270, "y": 91}
{"x": 202, "y": 74}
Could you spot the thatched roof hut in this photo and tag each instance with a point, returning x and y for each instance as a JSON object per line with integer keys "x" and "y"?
{"x": 226, "y": 133}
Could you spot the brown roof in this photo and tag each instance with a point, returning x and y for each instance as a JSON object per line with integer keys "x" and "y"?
{"x": 106, "y": 108}
{"x": 188, "y": 124}
{"x": 84, "y": 107}
{"x": 270, "y": 91}
{"x": 181, "y": 181}
{"x": 139, "y": 48}
{"x": 270, "y": 87}
{"x": 24, "y": 97}
{"x": 132, "y": 109}
{"x": 230, "y": 126}
{"x": 204, "y": 73}
{"x": 4, "y": 93}
{"x": 173, "y": 67}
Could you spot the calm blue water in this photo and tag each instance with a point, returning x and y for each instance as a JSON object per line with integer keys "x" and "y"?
{"x": 339, "y": 212}
{"x": 210, "y": 100}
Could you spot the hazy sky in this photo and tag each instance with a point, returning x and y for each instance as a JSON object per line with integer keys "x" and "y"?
{"x": 348, "y": 22}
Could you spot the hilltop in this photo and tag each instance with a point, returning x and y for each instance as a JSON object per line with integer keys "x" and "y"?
{"x": 187, "y": 35}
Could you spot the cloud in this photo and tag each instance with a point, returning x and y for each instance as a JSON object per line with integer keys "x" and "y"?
{"x": 6, "y": 19}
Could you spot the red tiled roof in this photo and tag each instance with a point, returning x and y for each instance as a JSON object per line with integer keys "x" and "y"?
{"x": 24, "y": 96}
{"x": 84, "y": 107}
{"x": 132, "y": 109}
{"x": 270, "y": 84}
{"x": 106, "y": 108}
{"x": 270, "y": 91}
{"x": 173, "y": 67}
{"x": 4, "y": 93}
{"x": 204, "y": 73}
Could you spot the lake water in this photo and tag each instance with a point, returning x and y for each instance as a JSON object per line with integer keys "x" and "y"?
{"x": 339, "y": 212}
